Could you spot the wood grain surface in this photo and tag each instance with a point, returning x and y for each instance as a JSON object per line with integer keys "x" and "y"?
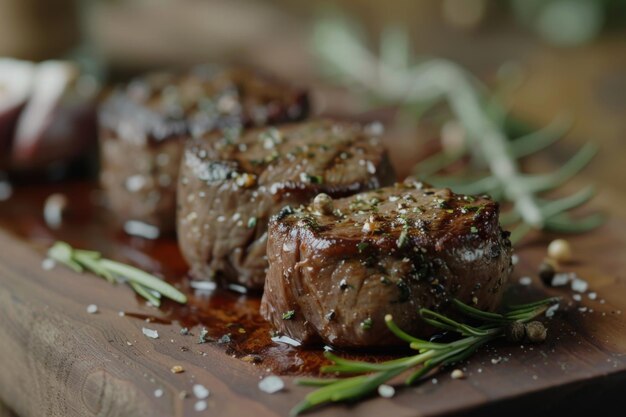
{"x": 58, "y": 360}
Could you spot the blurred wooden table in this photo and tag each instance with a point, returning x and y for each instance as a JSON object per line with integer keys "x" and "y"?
{"x": 589, "y": 81}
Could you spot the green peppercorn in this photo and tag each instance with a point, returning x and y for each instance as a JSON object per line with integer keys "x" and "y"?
{"x": 536, "y": 331}
{"x": 515, "y": 332}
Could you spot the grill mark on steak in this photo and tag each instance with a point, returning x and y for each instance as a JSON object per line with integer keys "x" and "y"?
{"x": 387, "y": 251}
{"x": 260, "y": 172}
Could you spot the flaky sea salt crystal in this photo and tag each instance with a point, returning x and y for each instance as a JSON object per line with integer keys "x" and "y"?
{"x": 386, "y": 391}
{"x": 200, "y": 391}
{"x": 560, "y": 279}
{"x": 200, "y": 405}
{"x": 48, "y": 264}
{"x": 525, "y": 280}
{"x": 592, "y": 295}
{"x": 579, "y": 285}
{"x": 141, "y": 229}
{"x": 152, "y": 334}
{"x": 53, "y": 209}
{"x": 551, "y": 310}
{"x": 203, "y": 285}
{"x": 271, "y": 384}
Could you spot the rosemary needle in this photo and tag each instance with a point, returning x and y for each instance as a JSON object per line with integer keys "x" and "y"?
{"x": 431, "y": 355}
{"x": 488, "y": 142}
{"x": 146, "y": 285}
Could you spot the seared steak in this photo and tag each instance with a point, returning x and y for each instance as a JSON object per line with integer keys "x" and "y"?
{"x": 334, "y": 274}
{"x": 230, "y": 185}
{"x": 143, "y": 128}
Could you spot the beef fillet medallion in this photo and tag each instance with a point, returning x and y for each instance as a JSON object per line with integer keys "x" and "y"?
{"x": 335, "y": 273}
{"x": 144, "y": 127}
{"x": 230, "y": 185}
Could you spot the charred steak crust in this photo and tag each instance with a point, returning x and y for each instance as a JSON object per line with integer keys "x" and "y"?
{"x": 229, "y": 186}
{"x": 144, "y": 125}
{"x": 332, "y": 278}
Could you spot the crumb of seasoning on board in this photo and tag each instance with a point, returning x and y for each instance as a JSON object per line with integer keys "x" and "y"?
{"x": 177, "y": 369}
{"x": 184, "y": 331}
{"x": 560, "y": 279}
{"x": 152, "y": 334}
{"x": 200, "y": 391}
{"x": 200, "y": 405}
{"x": 551, "y": 310}
{"x": 54, "y": 207}
{"x": 536, "y": 331}
{"x": 457, "y": 374}
{"x": 288, "y": 315}
{"x": 252, "y": 359}
{"x": 271, "y": 384}
{"x": 48, "y": 264}
{"x": 560, "y": 250}
{"x": 158, "y": 393}
{"x": 579, "y": 285}
{"x": 203, "y": 336}
{"x": 92, "y": 309}
{"x": 386, "y": 391}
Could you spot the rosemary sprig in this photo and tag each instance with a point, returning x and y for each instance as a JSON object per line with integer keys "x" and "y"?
{"x": 430, "y": 356}
{"x": 392, "y": 79}
{"x": 146, "y": 285}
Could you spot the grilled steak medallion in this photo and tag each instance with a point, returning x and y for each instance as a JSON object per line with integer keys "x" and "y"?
{"x": 334, "y": 274}
{"x": 230, "y": 186}
{"x": 143, "y": 128}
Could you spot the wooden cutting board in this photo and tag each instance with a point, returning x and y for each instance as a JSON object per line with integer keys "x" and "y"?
{"x": 58, "y": 360}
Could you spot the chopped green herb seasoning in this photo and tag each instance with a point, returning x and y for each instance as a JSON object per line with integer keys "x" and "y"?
{"x": 313, "y": 179}
{"x": 404, "y": 236}
{"x": 474, "y": 229}
{"x": 288, "y": 315}
{"x": 251, "y": 222}
{"x": 362, "y": 246}
{"x": 366, "y": 324}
